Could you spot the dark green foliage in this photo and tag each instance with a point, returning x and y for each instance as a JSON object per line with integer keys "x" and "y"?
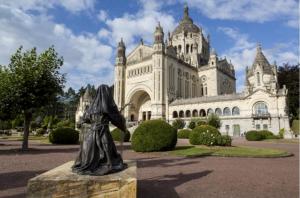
{"x": 295, "y": 127}
{"x": 64, "y": 136}
{"x": 214, "y": 120}
{"x": 201, "y": 122}
{"x": 289, "y": 75}
{"x": 267, "y": 134}
{"x": 183, "y": 134}
{"x": 192, "y": 124}
{"x": 5, "y": 124}
{"x": 40, "y": 131}
{"x": 204, "y": 135}
{"x": 65, "y": 123}
{"x": 154, "y": 135}
{"x": 281, "y": 133}
{"x": 116, "y": 135}
{"x": 254, "y": 136}
{"x": 178, "y": 124}
{"x": 224, "y": 140}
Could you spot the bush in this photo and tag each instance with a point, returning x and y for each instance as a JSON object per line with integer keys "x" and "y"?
{"x": 116, "y": 135}
{"x": 40, "y": 131}
{"x": 183, "y": 134}
{"x": 214, "y": 120}
{"x": 254, "y": 136}
{"x": 295, "y": 127}
{"x": 192, "y": 125}
{"x": 224, "y": 140}
{"x": 65, "y": 123}
{"x": 266, "y": 134}
{"x": 281, "y": 133}
{"x": 64, "y": 136}
{"x": 154, "y": 135}
{"x": 204, "y": 135}
{"x": 201, "y": 122}
{"x": 178, "y": 124}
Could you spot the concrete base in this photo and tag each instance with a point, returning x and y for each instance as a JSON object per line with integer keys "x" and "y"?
{"x": 61, "y": 182}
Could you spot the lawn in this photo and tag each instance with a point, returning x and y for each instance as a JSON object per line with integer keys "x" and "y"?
{"x": 289, "y": 141}
{"x": 39, "y": 139}
{"x": 233, "y": 151}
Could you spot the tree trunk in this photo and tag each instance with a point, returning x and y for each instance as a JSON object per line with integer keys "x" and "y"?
{"x": 27, "y": 120}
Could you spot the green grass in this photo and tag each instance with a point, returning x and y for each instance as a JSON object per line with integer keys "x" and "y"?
{"x": 192, "y": 151}
{"x": 39, "y": 139}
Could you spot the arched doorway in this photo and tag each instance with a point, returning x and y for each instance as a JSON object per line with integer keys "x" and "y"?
{"x": 140, "y": 106}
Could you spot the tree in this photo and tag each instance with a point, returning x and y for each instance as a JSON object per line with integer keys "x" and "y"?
{"x": 214, "y": 120}
{"x": 289, "y": 75}
{"x": 29, "y": 82}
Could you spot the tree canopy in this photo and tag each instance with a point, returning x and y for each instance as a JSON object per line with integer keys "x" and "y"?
{"x": 29, "y": 82}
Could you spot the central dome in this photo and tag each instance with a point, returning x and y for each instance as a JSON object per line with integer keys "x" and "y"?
{"x": 186, "y": 24}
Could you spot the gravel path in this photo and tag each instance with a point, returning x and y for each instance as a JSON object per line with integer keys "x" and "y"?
{"x": 161, "y": 175}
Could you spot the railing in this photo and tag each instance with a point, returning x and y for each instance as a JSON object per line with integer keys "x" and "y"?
{"x": 261, "y": 115}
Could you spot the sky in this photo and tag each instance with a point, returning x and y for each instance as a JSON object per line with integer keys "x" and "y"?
{"x": 86, "y": 32}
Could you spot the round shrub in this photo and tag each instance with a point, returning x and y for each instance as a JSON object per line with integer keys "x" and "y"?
{"x": 178, "y": 124}
{"x": 183, "y": 134}
{"x": 192, "y": 125}
{"x": 266, "y": 134}
{"x": 64, "y": 136}
{"x": 41, "y": 131}
{"x": 214, "y": 120}
{"x": 154, "y": 135}
{"x": 254, "y": 136}
{"x": 201, "y": 122}
{"x": 116, "y": 135}
{"x": 224, "y": 140}
{"x": 204, "y": 135}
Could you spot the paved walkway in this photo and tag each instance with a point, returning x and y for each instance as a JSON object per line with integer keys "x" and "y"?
{"x": 160, "y": 175}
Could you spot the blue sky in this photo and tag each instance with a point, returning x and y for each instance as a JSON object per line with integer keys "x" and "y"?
{"x": 85, "y": 32}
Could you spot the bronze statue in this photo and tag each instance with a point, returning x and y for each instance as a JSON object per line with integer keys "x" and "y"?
{"x": 98, "y": 154}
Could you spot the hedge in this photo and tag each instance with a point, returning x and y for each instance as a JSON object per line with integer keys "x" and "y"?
{"x": 183, "y": 134}
{"x": 154, "y": 135}
{"x": 116, "y": 135}
{"x": 64, "y": 136}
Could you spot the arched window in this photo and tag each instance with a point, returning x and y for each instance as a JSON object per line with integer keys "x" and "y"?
{"x": 202, "y": 113}
{"x": 175, "y": 49}
{"x": 210, "y": 111}
{"x": 192, "y": 48}
{"x": 226, "y": 111}
{"x": 195, "y": 113}
{"x": 181, "y": 114}
{"x": 235, "y": 111}
{"x": 260, "y": 108}
{"x": 218, "y": 111}
{"x": 175, "y": 114}
{"x": 187, "y": 48}
{"x": 179, "y": 48}
{"x": 258, "y": 78}
{"x": 188, "y": 113}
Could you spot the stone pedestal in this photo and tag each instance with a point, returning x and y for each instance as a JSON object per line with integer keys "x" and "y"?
{"x": 61, "y": 182}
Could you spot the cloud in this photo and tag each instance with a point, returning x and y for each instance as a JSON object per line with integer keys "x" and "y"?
{"x": 86, "y": 58}
{"x": 243, "y": 51}
{"x": 249, "y": 10}
{"x": 132, "y": 27}
{"x": 43, "y": 6}
{"x": 102, "y": 16}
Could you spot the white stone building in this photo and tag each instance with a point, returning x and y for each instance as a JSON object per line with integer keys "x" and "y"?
{"x": 183, "y": 77}
{"x": 84, "y": 102}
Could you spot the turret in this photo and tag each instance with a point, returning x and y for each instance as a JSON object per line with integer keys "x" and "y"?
{"x": 121, "y": 58}
{"x": 213, "y": 58}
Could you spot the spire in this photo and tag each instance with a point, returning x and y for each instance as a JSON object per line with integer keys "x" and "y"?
{"x": 158, "y": 34}
{"x": 186, "y": 11}
{"x": 261, "y": 60}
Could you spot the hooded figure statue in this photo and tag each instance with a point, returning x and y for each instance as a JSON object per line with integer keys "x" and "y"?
{"x": 98, "y": 154}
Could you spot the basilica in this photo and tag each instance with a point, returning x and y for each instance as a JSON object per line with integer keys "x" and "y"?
{"x": 181, "y": 76}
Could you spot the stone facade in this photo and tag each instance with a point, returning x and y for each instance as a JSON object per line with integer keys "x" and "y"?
{"x": 84, "y": 102}
{"x": 183, "y": 76}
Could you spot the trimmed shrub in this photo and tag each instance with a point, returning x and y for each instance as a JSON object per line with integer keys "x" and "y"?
{"x": 40, "y": 131}
{"x": 266, "y": 134}
{"x": 204, "y": 135}
{"x": 192, "y": 125}
{"x": 254, "y": 136}
{"x": 224, "y": 140}
{"x": 214, "y": 120}
{"x": 178, "y": 124}
{"x": 116, "y": 135}
{"x": 64, "y": 124}
{"x": 201, "y": 122}
{"x": 64, "y": 136}
{"x": 154, "y": 135}
{"x": 281, "y": 133}
{"x": 295, "y": 127}
{"x": 183, "y": 134}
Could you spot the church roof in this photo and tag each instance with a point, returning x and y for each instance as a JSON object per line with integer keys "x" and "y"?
{"x": 261, "y": 60}
{"x": 186, "y": 24}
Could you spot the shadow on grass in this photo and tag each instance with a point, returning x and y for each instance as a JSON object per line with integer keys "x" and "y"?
{"x": 164, "y": 186}
{"x": 35, "y": 151}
